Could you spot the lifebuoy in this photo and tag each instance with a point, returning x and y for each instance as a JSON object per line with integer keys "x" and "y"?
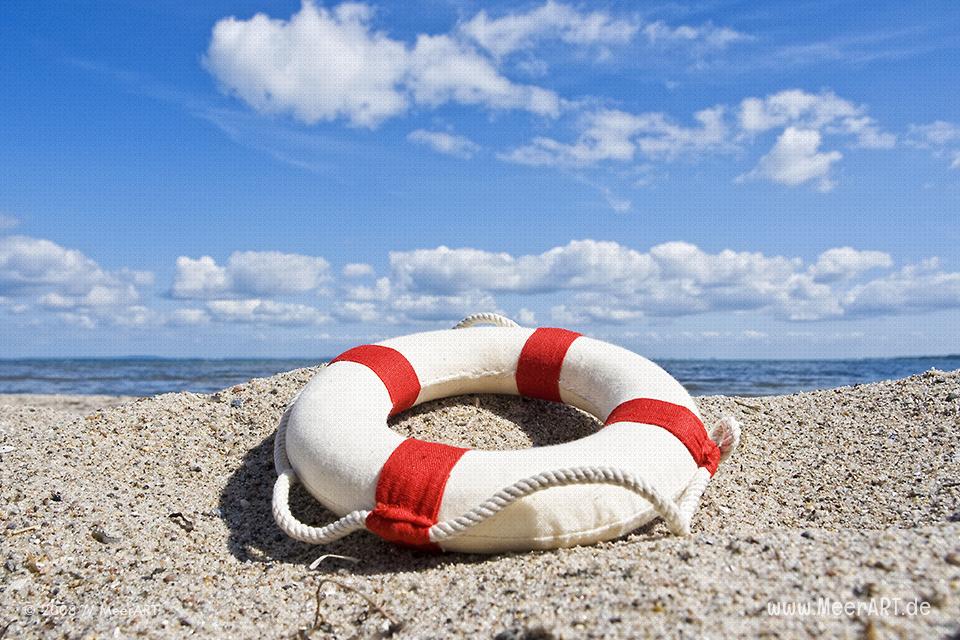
{"x": 653, "y": 458}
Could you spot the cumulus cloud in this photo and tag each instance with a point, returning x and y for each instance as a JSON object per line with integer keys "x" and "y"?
{"x": 847, "y": 262}
{"x": 803, "y": 119}
{"x": 512, "y": 32}
{"x": 935, "y": 134}
{"x": 270, "y": 312}
{"x": 583, "y": 282}
{"x": 351, "y": 311}
{"x": 410, "y": 306}
{"x": 922, "y": 287}
{"x": 41, "y": 272}
{"x": 605, "y": 282}
{"x": 823, "y": 111}
{"x": 796, "y": 159}
{"x": 325, "y": 64}
{"x": 446, "y": 143}
{"x": 577, "y": 265}
{"x": 249, "y": 273}
{"x": 189, "y": 317}
{"x": 527, "y": 317}
{"x": 614, "y": 135}
{"x": 357, "y": 270}
{"x": 794, "y": 107}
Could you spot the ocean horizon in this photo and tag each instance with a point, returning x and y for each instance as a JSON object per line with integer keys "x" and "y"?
{"x": 152, "y": 375}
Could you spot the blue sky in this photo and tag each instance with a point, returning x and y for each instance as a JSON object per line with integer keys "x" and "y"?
{"x": 717, "y": 179}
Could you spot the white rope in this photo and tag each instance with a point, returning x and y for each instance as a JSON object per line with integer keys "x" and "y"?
{"x": 665, "y": 508}
{"x": 287, "y": 477}
{"x": 495, "y": 319}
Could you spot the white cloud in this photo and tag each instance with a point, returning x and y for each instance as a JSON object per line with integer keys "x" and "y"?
{"x": 605, "y": 282}
{"x": 269, "y": 312}
{"x": 38, "y": 271}
{"x": 380, "y": 291}
{"x": 275, "y": 273}
{"x": 594, "y": 314}
{"x": 577, "y": 265}
{"x": 199, "y": 278}
{"x": 707, "y": 35}
{"x": 613, "y": 135}
{"x": 869, "y": 135}
{"x": 441, "y": 307}
{"x": 351, "y": 311}
{"x": 553, "y": 20}
{"x": 942, "y": 137}
{"x": 935, "y": 134}
{"x": 796, "y": 159}
{"x": 847, "y": 262}
{"x": 189, "y": 317}
{"x": 357, "y": 270}
{"x": 527, "y": 317}
{"x": 920, "y": 287}
{"x": 446, "y": 143}
{"x": 794, "y": 107}
{"x": 823, "y": 111}
{"x": 81, "y": 320}
{"x": 8, "y": 222}
{"x": 249, "y": 273}
{"x": 325, "y": 64}
{"x": 137, "y": 316}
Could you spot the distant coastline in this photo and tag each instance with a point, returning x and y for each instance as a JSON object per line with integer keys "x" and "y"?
{"x": 150, "y": 375}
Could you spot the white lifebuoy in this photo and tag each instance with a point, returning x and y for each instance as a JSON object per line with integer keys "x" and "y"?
{"x": 653, "y": 458}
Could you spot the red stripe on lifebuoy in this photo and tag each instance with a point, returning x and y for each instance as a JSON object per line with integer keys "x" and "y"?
{"x": 538, "y": 369}
{"x": 409, "y": 491}
{"x": 678, "y": 420}
{"x": 392, "y": 367}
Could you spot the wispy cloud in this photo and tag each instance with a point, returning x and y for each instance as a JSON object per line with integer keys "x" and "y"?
{"x": 8, "y": 222}
{"x": 940, "y": 136}
{"x": 446, "y": 143}
{"x": 705, "y": 37}
{"x": 861, "y": 48}
{"x": 802, "y": 118}
{"x": 523, "y": 30}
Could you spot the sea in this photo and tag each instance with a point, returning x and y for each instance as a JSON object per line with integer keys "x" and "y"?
{"x": 138, "y": 376}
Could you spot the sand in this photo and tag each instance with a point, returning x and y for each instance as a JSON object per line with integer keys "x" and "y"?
{"x": 152, "y": 518}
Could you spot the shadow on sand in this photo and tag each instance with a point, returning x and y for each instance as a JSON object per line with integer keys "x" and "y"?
{"x": 246, "y": 500}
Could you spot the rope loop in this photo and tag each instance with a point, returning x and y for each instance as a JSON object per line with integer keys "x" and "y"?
{"x": 286, "y": 478}
{"x": 495, "y": 319}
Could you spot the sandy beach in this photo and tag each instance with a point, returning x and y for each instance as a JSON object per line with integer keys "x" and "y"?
{"x": 151, "y": 517}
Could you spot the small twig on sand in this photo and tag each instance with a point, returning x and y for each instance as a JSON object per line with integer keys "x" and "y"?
{"x": 748, "y": 405}
{"x": 17, "y": 532}
{"x": 318, "y": 620}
